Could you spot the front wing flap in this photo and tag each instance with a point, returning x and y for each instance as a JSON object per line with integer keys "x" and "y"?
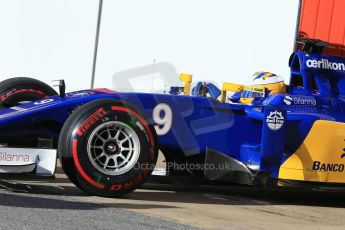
{"x": 28, "y": 160}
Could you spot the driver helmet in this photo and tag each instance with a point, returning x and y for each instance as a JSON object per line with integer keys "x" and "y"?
{"x": 262, "y": 84}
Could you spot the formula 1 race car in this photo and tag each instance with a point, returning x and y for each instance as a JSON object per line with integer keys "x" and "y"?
{"x": 264, "y": 134}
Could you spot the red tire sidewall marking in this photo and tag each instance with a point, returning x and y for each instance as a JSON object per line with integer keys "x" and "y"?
{"x": 80, "y": 169}
{"x": 75, "y": 146}
{"x": 88, "y": 123}
{"x": 4, "y": 97}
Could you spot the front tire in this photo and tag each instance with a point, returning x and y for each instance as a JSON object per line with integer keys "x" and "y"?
{"x": 107, "y": 148}
{"x": 13, "y": 91}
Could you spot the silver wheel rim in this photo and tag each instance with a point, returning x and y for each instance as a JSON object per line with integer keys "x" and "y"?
{"x": 113, "y": 148}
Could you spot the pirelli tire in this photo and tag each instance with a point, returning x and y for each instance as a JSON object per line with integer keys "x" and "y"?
{"x": 107, "y": 148}
{"x": 23, "y": 89}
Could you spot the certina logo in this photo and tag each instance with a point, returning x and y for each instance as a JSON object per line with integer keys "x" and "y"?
{"x": 275, "y": 120}
{"x": 4, "y": 156}
{"x": 80, "y": 94}
{"x": 325, "y": 64}
{"x": 299, "y": 101}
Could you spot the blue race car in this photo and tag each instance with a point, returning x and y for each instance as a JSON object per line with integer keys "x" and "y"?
{"x": 265, "y": 133}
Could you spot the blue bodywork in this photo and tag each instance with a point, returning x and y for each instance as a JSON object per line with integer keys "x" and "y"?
{"x": 316, "y": 92}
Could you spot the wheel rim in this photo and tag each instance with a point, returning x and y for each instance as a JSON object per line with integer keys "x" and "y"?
{"x": 113, "y": 148}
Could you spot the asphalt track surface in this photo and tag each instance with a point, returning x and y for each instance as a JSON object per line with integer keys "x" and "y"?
{"x": 57, "y": 204}
{"x": 27, "y": 206}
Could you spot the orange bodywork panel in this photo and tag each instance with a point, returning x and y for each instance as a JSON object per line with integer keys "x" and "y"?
{"x": 325, "y": 20}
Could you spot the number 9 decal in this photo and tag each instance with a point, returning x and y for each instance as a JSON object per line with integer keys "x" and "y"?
{"x": 162, "y": 116}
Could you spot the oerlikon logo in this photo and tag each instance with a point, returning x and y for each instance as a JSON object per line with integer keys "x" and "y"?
{"x": 325, "y": 64}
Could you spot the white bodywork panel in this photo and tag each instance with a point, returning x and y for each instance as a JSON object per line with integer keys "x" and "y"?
{"x": 28, "y": 160}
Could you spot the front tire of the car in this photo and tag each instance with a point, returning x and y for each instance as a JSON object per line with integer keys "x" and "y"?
{"x": 107, "y": 148}
{"x": 14, "y": 91}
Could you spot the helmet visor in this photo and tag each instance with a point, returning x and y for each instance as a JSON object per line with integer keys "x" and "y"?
{"x": 252, "y": 92}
